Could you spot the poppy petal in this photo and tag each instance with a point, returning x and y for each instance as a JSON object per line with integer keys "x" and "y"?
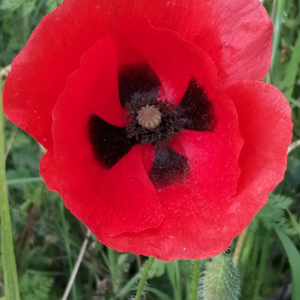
{"x": 136, "y": 78}
{"x": 43, "y": 66}
{"x": 213, "y": 164}
{"x": 235, "y": 33}
{"x": 87, "y": 187}
{"x": 266, "y": 125}
{"x": 110, "y": 143}
{"x": 195, "y": 109}
{"x": 168, "y": 167}
{"x": 48, "y": 170}
{"x": 173, "y": 67}
{"x": 238, "y": 38}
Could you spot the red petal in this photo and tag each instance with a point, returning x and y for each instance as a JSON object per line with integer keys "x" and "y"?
{"x": 266, "y": 125}
{"x": 40, "y": 71}
{"x": 238, "y": 37}
{"x": 104, "y": 199}
{"x": 48, "y": 170}
{"x": 175, "y": 63}
{"x": 237, "y": 34}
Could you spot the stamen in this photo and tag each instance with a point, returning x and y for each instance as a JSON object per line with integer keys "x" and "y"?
{"x": 152, "y": 120}
{"x": 149, "y": 117}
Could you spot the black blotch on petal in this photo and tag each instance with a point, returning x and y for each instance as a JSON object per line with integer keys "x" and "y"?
{"x": 195, "y": 110}
{"x": 137, "y": 78}
{"x": 110, "y": 143}
{"x": 168, "y": 167}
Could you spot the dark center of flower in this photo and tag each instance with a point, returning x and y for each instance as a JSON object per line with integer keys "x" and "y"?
{"x": 152, "y": 120}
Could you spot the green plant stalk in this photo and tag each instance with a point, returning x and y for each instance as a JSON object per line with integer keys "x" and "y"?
{"x": 253, "y": 261}
{"x": 196, "y": 277}
{"x": 174, "y": 277}
{"x": 262, "y": 264}
{"x": 177, "y": 270}
{"x": 239, "y": 247}
{"x": 143, "y": 279}
{"x": 113, "y": 268}
{"x": 245, "y": 256}
{"x": 11, "y": 285}
{"x": 68, "y": 247}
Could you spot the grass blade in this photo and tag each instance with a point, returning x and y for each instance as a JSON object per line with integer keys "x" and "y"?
{"x": 11, "y": 285}
{"x": 292, "y": 70}
{"x": 294, "y": 260}
{"x": 24, "y": 180}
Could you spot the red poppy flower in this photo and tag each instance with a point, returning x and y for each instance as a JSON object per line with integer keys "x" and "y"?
{"x": 160, "y": 135}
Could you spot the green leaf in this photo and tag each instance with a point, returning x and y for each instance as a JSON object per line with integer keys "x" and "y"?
{"x": 157, "y": 293}
{"x": 221, "y": 280}
{"x": 294, "y": 260}
{"x": 28, "y": 7}
{"x": 52, "y": 4}
{"x": 277, "y": 23}
{"x": 292, "y": 70}
{"x": 294, "y": 222}
{"x": 35, "y": 287}
{"x": 24, "y": 180}
{"x": 272, "y": 215}
{"x": 174, "y": 277}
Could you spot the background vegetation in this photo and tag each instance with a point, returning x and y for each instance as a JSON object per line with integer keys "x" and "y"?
{"x": 48, "y": 239}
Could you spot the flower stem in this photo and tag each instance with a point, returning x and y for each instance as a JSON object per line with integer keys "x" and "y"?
{"x": 11, "y": 286}
{"x": 113, "y": 268}
{"x": 196, "y": 276}
{"x": 239, "y": 247}
{"x": 143, "y": 279}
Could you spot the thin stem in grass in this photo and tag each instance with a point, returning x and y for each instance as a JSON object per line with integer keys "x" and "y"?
{"x": 196, "y": 277}
{"x": 11, "y": 286}
{"x": 68, "y": 246}
{"x": 77, "y": 265}
{"x": 143, "y": 279}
